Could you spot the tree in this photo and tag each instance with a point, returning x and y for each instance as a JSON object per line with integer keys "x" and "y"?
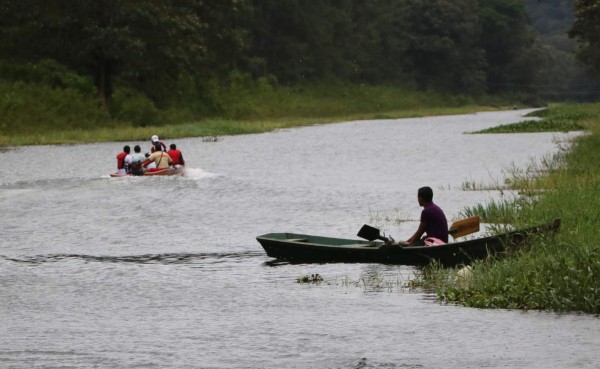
{"x": 135, "y": 41}
{"x": 294, "y": 40}
{"x": 444, "y": 50}
{"x": 586, "y": 30}
{"x": 511, "y": 52}
{"x": 378, "y": 41}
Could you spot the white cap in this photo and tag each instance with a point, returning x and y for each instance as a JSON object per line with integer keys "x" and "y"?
{"x": 155, "y": 138}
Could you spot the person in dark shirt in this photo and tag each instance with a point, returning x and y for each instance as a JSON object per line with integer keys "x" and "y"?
{"x": 433, "y": 221}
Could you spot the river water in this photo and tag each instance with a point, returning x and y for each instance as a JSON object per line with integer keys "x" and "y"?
{"x": 100, "y": 272}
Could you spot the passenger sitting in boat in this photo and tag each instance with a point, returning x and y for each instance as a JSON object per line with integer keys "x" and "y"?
{"x": 160, "y": 158}
{"x": 176, "y": 155}
{"x": 433, "y": 220}
{"x": 152, "y": 164}
{"x": 137, "y": 158}
{"x": 123, "y": 160}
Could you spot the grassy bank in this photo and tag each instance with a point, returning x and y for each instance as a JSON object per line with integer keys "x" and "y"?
{"x": 560, "y": 273}
{"x": 63, "y": 109}
{"x": 208, "y": 127}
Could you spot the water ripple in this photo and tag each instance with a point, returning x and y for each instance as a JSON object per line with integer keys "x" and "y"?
{"x": 168, "y": 258}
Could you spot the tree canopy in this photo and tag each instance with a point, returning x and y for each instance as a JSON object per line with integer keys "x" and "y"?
{"x": 167, "y": 48}
{"x": 586, "y": 30}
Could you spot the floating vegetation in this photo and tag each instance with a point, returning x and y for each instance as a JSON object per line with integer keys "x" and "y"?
{"x": 565, "y": 118}
{"x": 531, "y": 126}
{"x": 211, "y": 139}
{"x": 313, "y": 278}
{"x": 432, "y": 277}
{"x": 481, "y": 186}
{"x": 370, "y": 282}
{"x": 381, "y": 218}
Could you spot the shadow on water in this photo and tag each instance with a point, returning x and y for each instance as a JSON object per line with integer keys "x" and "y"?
{"x": 169, "y": 258}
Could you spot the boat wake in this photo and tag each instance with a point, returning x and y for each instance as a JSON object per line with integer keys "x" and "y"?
{"x": 169, "y": 258}
{"x": 198, "y": 173}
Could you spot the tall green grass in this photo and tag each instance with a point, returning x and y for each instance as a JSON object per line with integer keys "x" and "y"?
{"x": 48, "y": 104}
{"x": 560, "y": 273}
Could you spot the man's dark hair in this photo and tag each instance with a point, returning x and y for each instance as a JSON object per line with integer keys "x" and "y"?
{"x": 426, "y": 193}
{"x": 127, "y": 149}
{"x": 173, "y": 147}
{"x": 137, "y": 148}
{"x": 157, "y": 146}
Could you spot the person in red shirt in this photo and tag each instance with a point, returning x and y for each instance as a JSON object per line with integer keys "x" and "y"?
{"x": 123, "y": 160}
{"x": 176, "y": 155}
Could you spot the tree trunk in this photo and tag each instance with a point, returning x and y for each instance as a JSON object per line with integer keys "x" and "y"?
{"x": 103, "y": 83}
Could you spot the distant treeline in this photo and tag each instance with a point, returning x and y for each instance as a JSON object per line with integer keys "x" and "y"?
{"x": 142, "y": 56}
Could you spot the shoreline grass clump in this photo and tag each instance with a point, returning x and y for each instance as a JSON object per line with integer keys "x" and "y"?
{"x": 557, "y": 118}
{"x": 560, "y": 272}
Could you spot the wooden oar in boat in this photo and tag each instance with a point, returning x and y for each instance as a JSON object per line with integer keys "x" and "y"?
{"x": 457, "y": 229}
{"x": 464, "y": 227}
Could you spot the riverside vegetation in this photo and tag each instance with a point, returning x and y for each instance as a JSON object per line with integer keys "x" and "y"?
{"x": 46, "y": 103}
{"x": 559, "y": 273}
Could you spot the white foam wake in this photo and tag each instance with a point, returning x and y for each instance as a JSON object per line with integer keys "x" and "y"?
{"x": 198, "y": 173}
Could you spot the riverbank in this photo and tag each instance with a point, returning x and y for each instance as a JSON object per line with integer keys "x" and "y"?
{"x": 213, "y": 127}
{"x": 560, "y": 273}
{"x": 39, "y": 114}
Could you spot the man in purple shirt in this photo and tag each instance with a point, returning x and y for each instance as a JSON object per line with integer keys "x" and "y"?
{"x": 433, "y": 221}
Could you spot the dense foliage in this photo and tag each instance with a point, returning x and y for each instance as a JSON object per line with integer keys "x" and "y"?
{"x": 179, "y": 60}
{"x": 438, "y": 43}
{"x": 562, "y": 75}
{"x": 587, "y": 30}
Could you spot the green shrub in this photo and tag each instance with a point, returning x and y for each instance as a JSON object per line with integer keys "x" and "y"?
{"x": 27, "y": 109}
{"x": 132, "y": 106}
{"x": 46, "y": 72}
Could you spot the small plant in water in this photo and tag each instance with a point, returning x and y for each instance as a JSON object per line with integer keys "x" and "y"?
{"x": 211, "y": 139}
{"x": 313, "y": 278}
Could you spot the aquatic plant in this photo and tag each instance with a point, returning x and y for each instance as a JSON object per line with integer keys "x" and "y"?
{"x": 313, "y": 278}
{"x": 374, "y": 281}
{"x": 529, "y": 126}
{"x": 211, "y": 138}
{"x": 559, "y": 272}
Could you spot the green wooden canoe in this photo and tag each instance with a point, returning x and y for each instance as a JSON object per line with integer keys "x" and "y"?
{"x": 303, "y": 248}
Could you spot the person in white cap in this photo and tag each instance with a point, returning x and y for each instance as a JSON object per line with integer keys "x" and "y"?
{"x": 155, "y": 139}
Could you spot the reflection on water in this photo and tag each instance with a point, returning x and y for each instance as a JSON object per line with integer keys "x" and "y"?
{"x": 165, "y": 272}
